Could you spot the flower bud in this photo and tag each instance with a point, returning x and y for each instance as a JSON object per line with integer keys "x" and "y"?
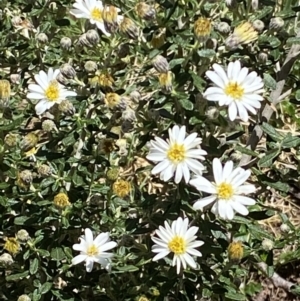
{"x": 285, "y": 228}
{"x": 105, "y": 80}
{"x": 44, "y": 170}
{"x": 231, "y": 3}
{"x": 135, "y": 96}
{"x": 115, "y": 101}
{"x": 42, "y": 38}
{"x": 145, "y": 11}
{"x": 126, "y": 126}
{"x": 211, "y": 44}
{"x": 11, "y": 139}
{"x": 11, "y": 245}
{"x": 267, "y": 244}
{"x": 121, "y": 188}
{"x": 161, "y": 64}
{"x": 128, "y": 28}
{"x": 65, "y": 43}
{"x": 212, "y": 113}
{"x": 26, "y": 176}
{"x": 48, "y": 125}
{"x": 90, "y": 66}
{"x": 202, "y": 29}
{"x": 15, "y": 78}
{"x": 263, "y": 57}
{"x": 276, "y": 24}
{"x": 83, "y": 41}
{"x": 61, "y": 200}
{"x": 258, "y": 25}
{"x": 142, "y": 298}
{"x": 24, "y": 298}
{"x": 22, "y": 235}
{"x": 165, "y": 81}
{"x": 29, "y": 141}
{"x": 158, "y": 39}
{"x": 67, "y": 70}
{"x": 62, "y": 79}
{"x": 92, "y": 37}
{"x": 113, "y": 173}
{"x": 223, "y": 27}
{"x": 4, "y": 91}
{"x": 254, "y": 4}
{"x": 235, "y": 252}
{"x": 66, "y": 107}
{"x": 123, "y": 50}
{"x": 6, "y": 259}
{"x": 127, "y": 241}
{"x": 129, "y": 115}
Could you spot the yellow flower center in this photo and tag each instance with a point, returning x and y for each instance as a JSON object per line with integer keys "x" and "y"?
{"x": 92, "y": 250}
{"x": 234, "y": 90}
{"x": 176, "y": 153}
{"x": 225, "y": 191}
{"x": 177, "y": 245}
{"x": 52, "y": 92}
{"x": 12, "y": 245}
{"x": 96, "y": 14}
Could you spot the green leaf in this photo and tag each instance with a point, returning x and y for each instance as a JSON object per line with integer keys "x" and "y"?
{"x": 277, "y": 185}
{"x": 258, "y": 232}
{"x": 269, "y": 81}
{"x": 267, "y": 160}
{"x": 290, "y": 141}
{"x": 57, "y": 254}
{"x": 292, "y": 41}
{"x": 17, "y": 277}
{"x": 43, "y": 253}
{"x": 176, "y": 62}
{"x": 297, "y": 94}
{"x": 34, "y": 266}
{"x": 246, "y": 151}
{"x": 4, "y": 185}
{"x": 20, "y": 220}
{"x": 186, "y": 104}
{"x": 269, "y": 130}
{"x": 208, "y": 53}
{"x": 235, "y": 296}
{"x": 194, "y": 120}
{"x": 128, "y": 268}
{"x": 198, "y": 81}
{"x": 36, "y": 296}
{"x": 45, "y": 287}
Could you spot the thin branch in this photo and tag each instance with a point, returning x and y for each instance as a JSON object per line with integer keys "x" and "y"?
{"x": 275, "y": 98}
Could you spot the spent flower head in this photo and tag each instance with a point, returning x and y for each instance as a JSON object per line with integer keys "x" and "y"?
{"x": 12, "y": 245}
{"x": 94, "y": 250}
{"x": 61, "y": 200}
{"x": 180, "y": 240}
{"x": 202, "y": 29}
{"x": 121, "y": 188}
{"x": 235, "y": 252}
{"x": 48, "y": 90}
{"x": 226, "y": 192}
{"x": 237, "y": 88}
{"x": 178, "y": 155}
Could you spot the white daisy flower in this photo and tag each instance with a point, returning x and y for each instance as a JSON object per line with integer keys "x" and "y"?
{"x": 48, "y": 90}
{"x": 225, "y": 191}
{"x": 179, "y": 240}
{"x": 177, "y": 155}
{"x": 94, "y": 250}
{"x": 238, "y": 89}
{"x": 92, "y": 10}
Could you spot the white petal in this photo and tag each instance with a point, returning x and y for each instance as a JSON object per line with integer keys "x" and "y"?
{"x": 160, "y": 255}
{"x": 101, "y": 239}
{"x": 201, "y": 203}
{"x": 218, "y": 170}
{"x": 201, "y": 184}
{"x": 79, "y": 258}
{"x": 243, "y": 200}
{"x": 248, "y": 188}
{"x": 242, "y": 178}
{"x": 108, "y": 246}
{"x": 178, "y": 173}
{"x": 222, "y": 74}
{"x": 43, "y": 105}
{"x": 215, "y": 78}
{"x": 242, "y": 111}
{"x": 88, "y": 236}
{"x": 160, "y": 167}
{"x": 227, "y": 170}
{"x": 232, "y": 111}
{"x": 190, "y": 261}
{"x": 89, "y": 265}
{"x": 34, "y": 95}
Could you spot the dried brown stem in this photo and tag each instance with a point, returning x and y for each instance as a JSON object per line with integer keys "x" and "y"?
{"x": 275, "y": 98}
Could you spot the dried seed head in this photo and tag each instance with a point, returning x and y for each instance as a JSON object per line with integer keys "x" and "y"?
{"x": 22, "y": 235}
{"x": 158, "y": 38}
{"x": 160, "y": 64}
{"x": 267, "y": 244}
{"x": 212, "y": 113}
{"x": 42, "y": 38}
{"x": 145, "y": 11}
{"x": 106, "y": 146}
{"x": 65, "y": 43}
{"x": 61, "y": 200}
{"x": 165, "y": 80}
{"x": 126, "y": 126}
{"x": 258, "y": 25}
{"x": 121, "y": 188}
{"x": 263, "y": 57}
{"x": 44, "y": 170}
{"x": 11, "y": 139}
{"x": 105, "y": 80}
{"x": 83, "y": 41}
{"x": 92, "y": 37}
{"x": 276, "y": 24}
{"x": 285, "y": 228}
{"x": 123, "y": 50}
{"x": 66, "y": 107}
{"x": 202, "y": 29}
{"x": 211, "y": 44}
{"x": 223, "y": 27}
{"x": 231, "y": 3}
{"x": 254, "y": 4}
{"x": 90, "y": 66}
{"x": 15, "y": 78}
{"x": 235, "y": 252}
{"x": 127, "y": 241}
{"x": 129, "y": 115}
{"x": 67, "y": 70}
{"x": 6, "y": 259}
{"x": 128, "y": 28}
{"x": 62, "y": 80}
